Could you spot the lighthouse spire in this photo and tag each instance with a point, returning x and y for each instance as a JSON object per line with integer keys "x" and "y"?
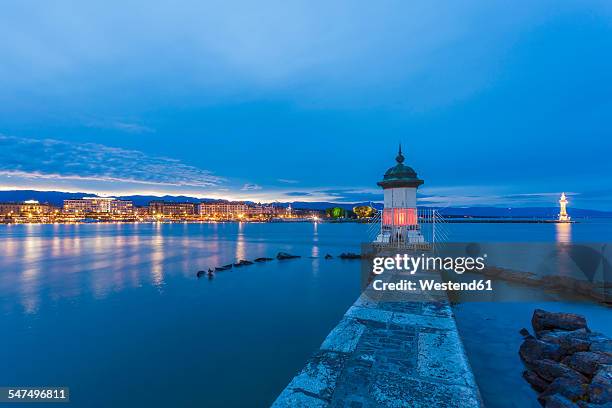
{"x": 400, "y": 156}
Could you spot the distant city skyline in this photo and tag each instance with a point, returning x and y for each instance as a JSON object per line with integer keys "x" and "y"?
{"x": 494, "y": 104}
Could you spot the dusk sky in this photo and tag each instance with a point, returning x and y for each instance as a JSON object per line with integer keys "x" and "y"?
{"x": 495, "y": 103}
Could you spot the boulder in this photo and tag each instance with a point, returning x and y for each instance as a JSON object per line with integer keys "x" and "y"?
{"x": 571, "y": 388}
{"x": 601, "y": 344}
{"x": 263, "y": 259}
{"x": 536, "y": 382}
{"x": 587, "y": 362}
{"x": 524, "y": 332}
{"x": 550, "y": 369}
{"x": 543, "y": 320}
{"x": 533, "y": 349}
{"x": 557, "y": 401}
{"x": 284, "y": 255}
{"x": 328, "y": 256}
{"x": 569, "y": 341}
{"x": 600, "y": 389}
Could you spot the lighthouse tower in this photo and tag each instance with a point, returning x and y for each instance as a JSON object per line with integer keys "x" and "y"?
{"x": 399, "y": 219}
{"x": 563, "y": 217}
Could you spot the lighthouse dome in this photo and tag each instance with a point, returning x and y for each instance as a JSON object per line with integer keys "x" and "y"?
{"x": 400, "y": 175}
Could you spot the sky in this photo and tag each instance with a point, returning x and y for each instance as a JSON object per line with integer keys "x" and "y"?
{"x": 495, "y": 103}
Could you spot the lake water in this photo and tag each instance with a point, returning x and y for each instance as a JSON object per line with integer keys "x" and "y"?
{"x": 115, "y": 312}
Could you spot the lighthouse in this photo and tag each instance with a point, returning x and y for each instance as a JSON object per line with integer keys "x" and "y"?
{"x": 400, "y": 224}
{"x": 563, "y": 217}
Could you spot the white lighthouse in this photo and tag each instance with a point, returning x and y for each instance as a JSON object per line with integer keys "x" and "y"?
{"x": 563, "y": 217}
{"x": 400, "y": 222}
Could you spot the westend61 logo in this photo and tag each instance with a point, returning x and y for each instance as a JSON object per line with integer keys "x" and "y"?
{"x": 411, "y": 264}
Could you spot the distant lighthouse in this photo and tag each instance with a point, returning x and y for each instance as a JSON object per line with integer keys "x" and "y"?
{"x": 563, "y": 217}
{"x": 400, "y": 218}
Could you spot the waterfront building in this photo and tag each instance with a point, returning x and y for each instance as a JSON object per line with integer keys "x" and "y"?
{"x": 400, "y": 223}
{"x": 172, "y": 209}
{"x": 98, "y": 205}
{"x": 223, "y": 209}
{"x": 563, "y": 217}
{"x": 27, "y": 211}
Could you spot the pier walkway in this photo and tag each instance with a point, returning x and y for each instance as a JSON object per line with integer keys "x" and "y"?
{"x": 403, "y": 352}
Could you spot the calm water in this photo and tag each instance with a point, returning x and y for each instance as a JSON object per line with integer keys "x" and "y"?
{"x": 114, "y": 311}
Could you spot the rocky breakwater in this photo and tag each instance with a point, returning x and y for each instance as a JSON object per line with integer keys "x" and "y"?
{"x": 569, "y": 365}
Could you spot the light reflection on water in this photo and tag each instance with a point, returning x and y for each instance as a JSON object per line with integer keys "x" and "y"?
{"x": 564, "y": 232}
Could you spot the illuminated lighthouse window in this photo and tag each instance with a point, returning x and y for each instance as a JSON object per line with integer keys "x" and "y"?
{"x": 399, "y": 216}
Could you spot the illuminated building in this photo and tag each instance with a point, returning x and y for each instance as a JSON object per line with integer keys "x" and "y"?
{"x": 222, "y": 209}
{"x": 31, "y": 209}
{"x": 98, "y": 205}
{"x": 169, "y": 208}
{"x": 400, "y": 218}
{"x": 563, "y": 209}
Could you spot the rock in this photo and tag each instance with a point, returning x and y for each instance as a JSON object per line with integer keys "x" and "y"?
{"x": 549, "y": 370}
{"x": 570, "y": 388}
{"x": 199, "y": 274}
{"x": 569, "y": 341}
{"x": 584, "y": 404}
{"x": 524, "y": 332}
{"x": 243, "y": 262}
{"x": 349, "y": 255}
{"x": 543, "y": 320}
{"x": 262, "y": 259}
{"x": 601, "y": 344}
{"x": 557, "y": 401}
{"x": 533, "y": 349}
{"x": 600, "y": 389}
{"x": 328, "y": 256}
{"x": 587, "y": 362}
{"x": 536, "y": 381}
{"x": 284, "y": 255}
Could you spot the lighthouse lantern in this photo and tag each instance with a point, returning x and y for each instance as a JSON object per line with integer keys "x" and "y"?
{"x": 400, "y": 221}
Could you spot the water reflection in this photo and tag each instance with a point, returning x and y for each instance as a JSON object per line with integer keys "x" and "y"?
{"x": 563, "y": 232}
{"x": 240, "y": 242}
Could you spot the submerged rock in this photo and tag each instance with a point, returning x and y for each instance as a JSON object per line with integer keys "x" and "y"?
{"x": 284, "y": 255}
{"x": 199, "y": 274}
{"x": 349, "y": 255}
{"x": 328, "y": 256}
{"x": 543, "y": 320}
{"x": 557, "y": 401}
{"x": 262, "y": 259}
{"x": 243, "y": 262}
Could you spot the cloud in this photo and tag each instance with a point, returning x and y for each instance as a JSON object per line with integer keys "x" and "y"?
{"x": 287, "y": 181}
{"x": 50, "y": 159}
{"x": 250, "y": 187}
{"x": 123, "y": 126}
{"x": 298, "y": 194}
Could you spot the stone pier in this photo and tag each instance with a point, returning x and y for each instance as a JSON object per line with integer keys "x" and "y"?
{"x": 403, "y": 352}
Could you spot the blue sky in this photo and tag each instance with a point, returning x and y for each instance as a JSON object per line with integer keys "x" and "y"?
{"x": 495, "y": 103}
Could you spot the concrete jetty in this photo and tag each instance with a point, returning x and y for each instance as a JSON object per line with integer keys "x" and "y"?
{"x": 388, "y": 352}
